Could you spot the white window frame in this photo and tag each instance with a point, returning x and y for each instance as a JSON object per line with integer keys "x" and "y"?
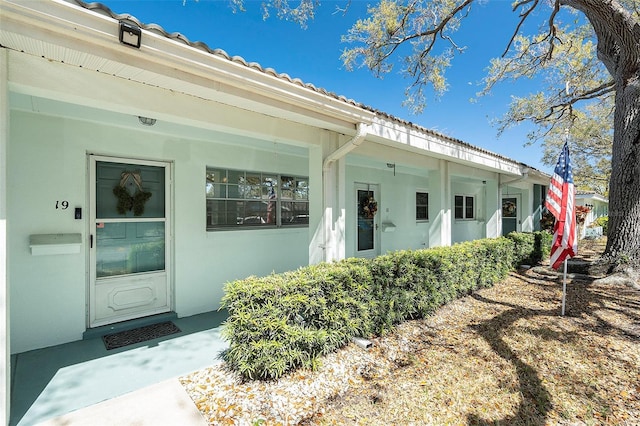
{"x": 279, "y": 200}
{"x": 464, "y": 206}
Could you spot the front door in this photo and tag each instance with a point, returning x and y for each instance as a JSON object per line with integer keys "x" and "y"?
{"x": 129, "y": 240}
{"x": 510, "y": 214}
{"x": 367, "y": 221}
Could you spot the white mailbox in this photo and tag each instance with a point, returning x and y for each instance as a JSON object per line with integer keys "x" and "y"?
{"x": 48, "y": 244}
{"x": 388, "y": 227}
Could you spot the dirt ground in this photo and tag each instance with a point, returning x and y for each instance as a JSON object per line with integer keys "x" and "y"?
{"x": 501, "y": 356}
{"x": 505, "y": 355}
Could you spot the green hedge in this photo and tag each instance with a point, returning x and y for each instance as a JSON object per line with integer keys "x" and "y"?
{"x": 531, "y": 247}
{"x": 280, "y": 322}
{"x": 285, "y": 321}
{"x": 604, "y": 222}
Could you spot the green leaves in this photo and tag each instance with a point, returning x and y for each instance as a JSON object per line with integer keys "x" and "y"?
{"x": 287, "y": 321}
{"x": 530, "y": 247}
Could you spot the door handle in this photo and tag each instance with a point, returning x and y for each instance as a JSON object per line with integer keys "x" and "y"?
{"x": 91, "y": 241}
{"x": 376, "y": 226}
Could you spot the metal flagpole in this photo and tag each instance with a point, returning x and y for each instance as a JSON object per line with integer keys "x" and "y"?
{"x": 564, "y": 285}
{"x": 564, "y": 277}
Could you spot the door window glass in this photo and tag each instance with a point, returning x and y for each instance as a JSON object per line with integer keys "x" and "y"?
{"x": 129, "y": 191}
{"x": 365, "y": 222}
{"x": 129, "y": 247}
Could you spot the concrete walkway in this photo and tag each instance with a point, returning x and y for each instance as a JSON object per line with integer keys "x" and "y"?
{"x": 59, "y": 383}
{"x": 165, "y": 403}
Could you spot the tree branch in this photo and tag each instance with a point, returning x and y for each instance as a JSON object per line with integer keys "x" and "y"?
{"x": 523, "y": 17}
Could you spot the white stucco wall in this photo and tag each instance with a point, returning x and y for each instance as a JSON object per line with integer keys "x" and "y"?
{"x": 49, "y": 163}
{"x": 469, "y": 229}
{"x": 396, "y": 204}
{"x": 524, "y": 191}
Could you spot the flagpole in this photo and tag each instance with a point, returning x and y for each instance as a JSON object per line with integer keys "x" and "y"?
{"x": 564, "y": 285}
{"x": 564, "y": 277}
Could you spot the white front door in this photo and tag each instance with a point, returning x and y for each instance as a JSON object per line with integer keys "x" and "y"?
{"x": 129, "y": 239}
{"x": 367, "y": 235}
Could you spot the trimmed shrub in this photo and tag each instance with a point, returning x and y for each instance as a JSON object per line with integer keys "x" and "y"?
{"x": 602, "y": 221}
{"x": 285, "y": 321}
{"x": 530, "y": 247}
{"x": 542, "y": 249}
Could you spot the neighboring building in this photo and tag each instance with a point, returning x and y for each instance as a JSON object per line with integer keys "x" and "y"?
{"x": 248, "y": 172}
{"x": 598, "y": 207}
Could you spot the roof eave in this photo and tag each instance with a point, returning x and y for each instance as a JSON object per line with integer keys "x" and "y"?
{"x": 87, "y": 31}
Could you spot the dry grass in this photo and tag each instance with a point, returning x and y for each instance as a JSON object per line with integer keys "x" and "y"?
{"x": 505, "y": 355}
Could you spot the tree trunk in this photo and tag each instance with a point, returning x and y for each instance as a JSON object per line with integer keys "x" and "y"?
{"x": 623, "y": 238}
{"x": 618, "y": 34}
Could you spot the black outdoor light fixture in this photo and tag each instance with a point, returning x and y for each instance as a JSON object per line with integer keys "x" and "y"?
{"x": 147, "y": 121}
{"x": 130, "y": 34}
{"x": 392, "y": 166}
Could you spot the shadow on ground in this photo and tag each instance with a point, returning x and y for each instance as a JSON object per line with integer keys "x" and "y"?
{"x": 586, "y": 302}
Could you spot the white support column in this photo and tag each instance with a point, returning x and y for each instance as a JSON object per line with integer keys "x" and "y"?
{"x": 440, "y": 196}
{"x": 316, "y": 208}
{"x": 334, "y": 190}
{"x": 445, "y": 203}
{"x": 493, "y": 208}
{"x": 527, "y": 208}
{"x": 340, "y": 230}
{"x": 5, "y": 351}
{"x": 499, "y": 215}
{"x": 327, "y": 198}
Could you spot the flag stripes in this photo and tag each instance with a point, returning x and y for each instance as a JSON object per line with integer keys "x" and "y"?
{"x": 561, "y": 203}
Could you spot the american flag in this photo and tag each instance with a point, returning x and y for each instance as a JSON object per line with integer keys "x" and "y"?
{"x": 561, "y": 203}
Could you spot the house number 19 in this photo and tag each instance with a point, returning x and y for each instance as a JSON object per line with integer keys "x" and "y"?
{"x": 63, "y": 205}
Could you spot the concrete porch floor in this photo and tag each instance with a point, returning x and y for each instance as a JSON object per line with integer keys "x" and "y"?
{"x": 51, "y": 382}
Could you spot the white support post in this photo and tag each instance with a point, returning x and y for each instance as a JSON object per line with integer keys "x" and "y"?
{"x": 5, "y": 349}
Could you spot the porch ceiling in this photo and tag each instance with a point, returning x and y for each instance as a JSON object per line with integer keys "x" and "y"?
{"x": 22, "y": 102}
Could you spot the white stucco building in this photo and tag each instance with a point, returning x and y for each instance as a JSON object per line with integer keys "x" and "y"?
{"x": 248, "y": 171}
{"x": 598, "y": 207}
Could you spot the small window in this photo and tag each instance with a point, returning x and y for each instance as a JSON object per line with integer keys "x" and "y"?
{"x": 464, "y": 207}
{"x": 422, "y": 206}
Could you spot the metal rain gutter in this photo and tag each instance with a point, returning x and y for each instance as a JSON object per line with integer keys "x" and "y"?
{"x": 525, "y": 175}
{"x": 351, "y": 144}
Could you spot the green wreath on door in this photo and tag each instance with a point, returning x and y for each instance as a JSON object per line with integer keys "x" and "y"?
{"x": 126, "y": 201}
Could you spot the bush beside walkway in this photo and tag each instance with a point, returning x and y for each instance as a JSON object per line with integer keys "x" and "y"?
{"x": 501, "y": 355}
{"x": 286, "y": 321}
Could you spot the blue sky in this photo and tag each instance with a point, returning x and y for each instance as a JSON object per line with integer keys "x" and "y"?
{"x": 313, "y": 55}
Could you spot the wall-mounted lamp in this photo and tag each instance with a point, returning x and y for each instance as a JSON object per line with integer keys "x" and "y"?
{"x": 130, "y": 34}
{"x": 147, "y": 121}
{"x": 392, "y": 166}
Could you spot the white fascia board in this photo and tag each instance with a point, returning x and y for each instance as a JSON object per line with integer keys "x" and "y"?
{"x": 592, "y": 196}
{"x": 79, "y": 29}
{"x": 422, "y": 142}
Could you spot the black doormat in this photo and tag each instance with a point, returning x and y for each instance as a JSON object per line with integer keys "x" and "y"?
{"x": 137, "y": 335}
